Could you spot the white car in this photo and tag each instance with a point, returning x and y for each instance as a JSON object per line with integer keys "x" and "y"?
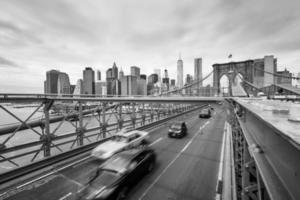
{"x": 119, "y": 142}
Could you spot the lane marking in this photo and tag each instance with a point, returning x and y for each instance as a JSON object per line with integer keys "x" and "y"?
{"x": 64, "y": 197}
{"x": 169, "y": 165}
{"x": 156, "y": 141}
{"x": 220, "y": 173}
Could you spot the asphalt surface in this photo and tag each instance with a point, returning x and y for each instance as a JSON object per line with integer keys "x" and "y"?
{"x": 186, "y": 168}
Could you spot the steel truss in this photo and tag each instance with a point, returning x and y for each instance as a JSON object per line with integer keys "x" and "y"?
{"x": 109, "y": 116}
{"x": 249, "y": 184}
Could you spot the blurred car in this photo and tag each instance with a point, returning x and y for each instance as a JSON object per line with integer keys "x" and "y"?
{"x": 116, "y": 176}
{"x": 177, "y": 130}
{"x": 119, "y": 142}
{"x": 205, "y": 113}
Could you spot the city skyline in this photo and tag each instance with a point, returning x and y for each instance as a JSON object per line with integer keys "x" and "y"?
{"x": 68, "y": 36}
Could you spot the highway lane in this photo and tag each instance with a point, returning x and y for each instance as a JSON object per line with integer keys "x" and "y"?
{"x": 188, "y": 168}
{"x": 178, "y": 174}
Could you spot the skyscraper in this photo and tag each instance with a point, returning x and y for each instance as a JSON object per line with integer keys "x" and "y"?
{"x": 79, "y": 87}
{"x": 135, "y": 71}
{"x": 63, "y": 84}
{"x": 129, "y": 85}
{"x": 88, "y": 81}
{"x": 158, "y": 72}
{"x": 109, "y": 80}
{"x": 179, "y": 72}
{"x": 98, "y": 75}
{"x": 198, "y": 71}
{"x": 121, "y": 74}
{"x": 115, "y": 71}
{"x": 51, "y": 81}
{"x": 166, "y": 81}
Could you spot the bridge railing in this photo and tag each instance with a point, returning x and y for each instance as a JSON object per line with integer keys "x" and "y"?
{"x": 54, "y": 125}
{"x": 266, "y": 159}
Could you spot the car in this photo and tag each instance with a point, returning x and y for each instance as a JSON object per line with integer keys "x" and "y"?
{"x": 119, "y": 142}
{"x": 117, "y": 175}
{"x": 205, "y": 113}
{"x": 177, "y": 130}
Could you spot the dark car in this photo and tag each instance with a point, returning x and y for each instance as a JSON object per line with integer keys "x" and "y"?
{"x": 205, "y": 113}
{"x": 177, "y": 130}
{"x": 115, "y": 177}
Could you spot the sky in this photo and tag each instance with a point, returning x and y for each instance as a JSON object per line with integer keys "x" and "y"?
{"x": 69, "y": 35}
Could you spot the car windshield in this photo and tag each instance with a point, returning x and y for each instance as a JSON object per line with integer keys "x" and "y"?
{"x": 120, "y": 138}
{"x": 176, "y": 126}
{"x": 117, "y": 164}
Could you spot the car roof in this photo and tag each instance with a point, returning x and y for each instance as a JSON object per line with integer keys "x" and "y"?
{"x": 110, "y": 146}
{"x": 132, "y": 152}
{"x": 132, "y": 132}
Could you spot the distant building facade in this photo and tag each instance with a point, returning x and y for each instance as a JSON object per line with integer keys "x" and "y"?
{"x": 284, "y": 77}
{"x": 88, "y": 81}
{"x": 179, "y": 73}
{"x": 129, "y": 85}
{"x": 79, "y": 87}
{"x": 50, "y": 85}
{"x": 198, "y": 72}
{"x": 112, "y": 83}
{"x": 101, "y": 88}
{"x": 98, "y": 75}
{"x": 141, "y": 86}
{"x": 63, "y": 84}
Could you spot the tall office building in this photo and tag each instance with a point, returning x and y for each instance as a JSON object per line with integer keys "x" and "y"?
{"x": 63, "y": 84}
{"x": 153, "y": 78}
{"x": 166, "y": 81}
{"x": 129, "y": 85}
{"x": 50, "y": 84}
{"x": 115, "y": 71}
{"x": 179, "y": 73}
{"x": 98, "y": 75}
{"x": 198, "y": 72}
{"x": 143, "y": 76}
{"x": 88, "y": 81}
{"x": 121, "y": 74}
{"x": 79, "y": 87}
{"x": 112, "y": 83}
{"x": 100, "y": 88}
{"x": 158, "y": 72}
{"x": 141, "y": 86}
{"x": 173, "y": 82}
{"x": 188, "y": 79}
{"x": 135, "y": 71}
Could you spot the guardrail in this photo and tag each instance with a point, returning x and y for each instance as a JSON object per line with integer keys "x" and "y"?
{"x": 21, "y": 171}
{"x": 267, "y": 162}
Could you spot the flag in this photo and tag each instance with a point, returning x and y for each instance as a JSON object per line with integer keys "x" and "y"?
{"x": 230, "y": 56}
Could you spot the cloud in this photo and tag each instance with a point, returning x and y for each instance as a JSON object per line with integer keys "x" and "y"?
{"x": 73, "y": 34}
{"x": 5, "y": 63}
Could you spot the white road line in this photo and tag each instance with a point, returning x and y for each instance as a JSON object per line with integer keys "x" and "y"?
{"x": 64, "y": 197}
{"x": 55, "y": 171}
{"x": 156, "y": 141}
{"x": 220, "y": 174}
{"x": 169, "y": 165}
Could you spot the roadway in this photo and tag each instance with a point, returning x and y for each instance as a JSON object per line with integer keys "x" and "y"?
{"x": 186, "y": 168}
